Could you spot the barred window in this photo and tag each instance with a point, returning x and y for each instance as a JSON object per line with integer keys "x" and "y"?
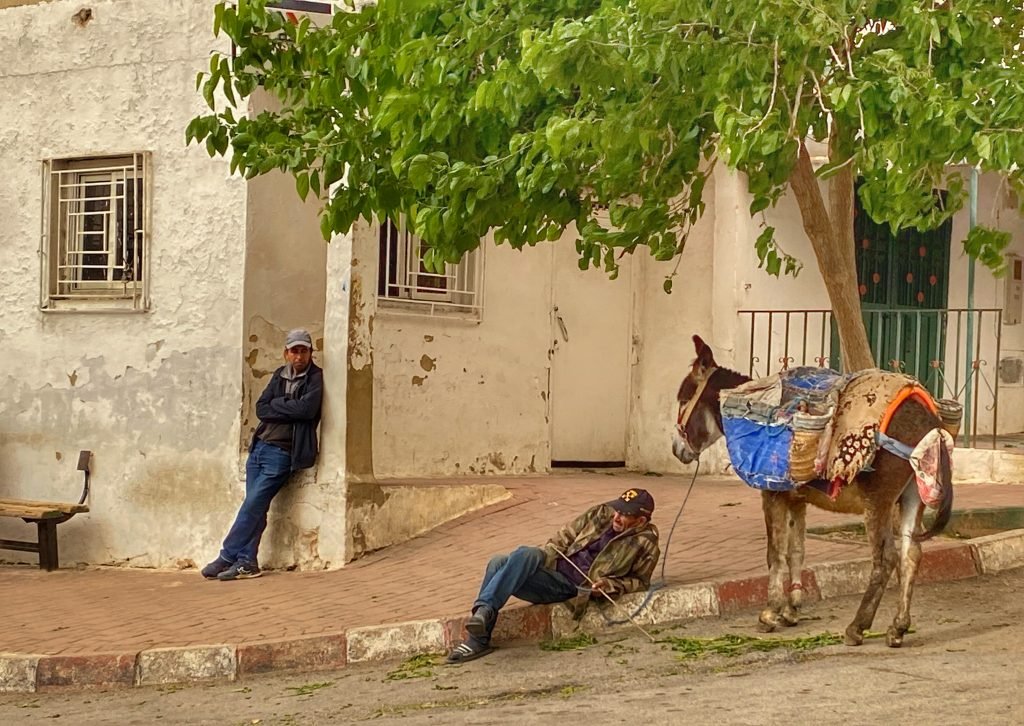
{"x": 404, "y": 282}
{"x": 95, "y": 233}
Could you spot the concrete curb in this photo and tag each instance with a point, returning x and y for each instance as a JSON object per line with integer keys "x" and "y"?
{"x": 27, "y": 673}
{"x": 161, "y": 666}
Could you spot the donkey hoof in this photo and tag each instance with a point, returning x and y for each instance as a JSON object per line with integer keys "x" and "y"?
{"x": 893, "y": 638}
{"x": 768, "y": 621}
{"x": 853, "y": 636}
{"x": 790, "y": 617}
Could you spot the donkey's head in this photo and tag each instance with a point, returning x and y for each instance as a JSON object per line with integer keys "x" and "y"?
{"x": 699, "y": 423}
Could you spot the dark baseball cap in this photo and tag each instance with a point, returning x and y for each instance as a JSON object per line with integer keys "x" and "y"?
{"x": 633, "y": 502}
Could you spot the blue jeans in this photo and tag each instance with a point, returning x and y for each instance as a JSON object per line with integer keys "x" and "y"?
{"x": 522, "y": 573}
{"x": 266, "y": 471}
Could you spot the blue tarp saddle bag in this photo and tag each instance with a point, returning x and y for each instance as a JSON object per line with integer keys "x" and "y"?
{"x": 776, "y": 428}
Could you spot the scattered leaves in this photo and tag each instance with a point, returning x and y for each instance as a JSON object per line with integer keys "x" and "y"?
{"x": 419, "y": 666}
{"x": 308, "y": 689}
{"x": 733, "y": 645}
{"x": 574, "y": 642}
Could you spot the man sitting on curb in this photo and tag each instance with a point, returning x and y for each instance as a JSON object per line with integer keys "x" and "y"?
{"x": 614, "y": 544}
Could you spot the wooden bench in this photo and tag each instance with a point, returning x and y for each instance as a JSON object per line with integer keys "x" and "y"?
{"x": 46, "y": 516}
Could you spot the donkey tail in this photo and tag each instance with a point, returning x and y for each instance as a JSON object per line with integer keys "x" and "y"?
{"x": 945, "y": 509}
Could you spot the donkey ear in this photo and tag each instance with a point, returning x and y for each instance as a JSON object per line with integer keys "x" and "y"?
{"x": 704, "y": 355}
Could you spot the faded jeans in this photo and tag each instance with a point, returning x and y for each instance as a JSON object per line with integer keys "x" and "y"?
{"x": 521, "y": 573}
{"x": 266, "y": 471}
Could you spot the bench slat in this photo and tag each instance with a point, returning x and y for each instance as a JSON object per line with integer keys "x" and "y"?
{"x": 67, "y": 507}
{"x": 31, "y": 508}
{"x": 30, "y": 512}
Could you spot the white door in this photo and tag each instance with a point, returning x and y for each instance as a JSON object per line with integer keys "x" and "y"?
{"x": 590, "y": 360}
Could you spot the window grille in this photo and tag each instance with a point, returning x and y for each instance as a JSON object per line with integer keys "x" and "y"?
{"x": 405, "y": 283}
{"x": 95, "y": 233}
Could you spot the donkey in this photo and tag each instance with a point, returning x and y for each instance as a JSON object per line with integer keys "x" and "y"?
{"x": 885, "y": 493}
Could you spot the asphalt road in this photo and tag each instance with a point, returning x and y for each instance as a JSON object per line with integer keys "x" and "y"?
{"x": 963, "y": 664}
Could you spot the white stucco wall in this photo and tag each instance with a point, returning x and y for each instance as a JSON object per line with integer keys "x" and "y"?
{"x": 155, "y": 396}
{"x": 664, "y": 325}
{"x": 718, "y": 275}
{"x": 432, "y": 416}
{"x": 285, "y": 274}
{"x": 807, "y": 291}
{"x": 721, "y": 250}
{"x": 753, "y": 289}
{"x": 994, "y": 209}
{"x": 453, "y": 396}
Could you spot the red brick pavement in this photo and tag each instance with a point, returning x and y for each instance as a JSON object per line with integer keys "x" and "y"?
{"x": 113, "y": 610}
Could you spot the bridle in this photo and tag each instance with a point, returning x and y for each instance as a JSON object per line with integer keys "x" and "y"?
{"x": 685, "y": 412}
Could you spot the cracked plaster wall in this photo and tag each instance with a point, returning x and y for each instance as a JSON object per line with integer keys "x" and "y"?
{"x": 453, "y": 398}
{"x": 457, "y": 397}
{"x": 155, "y": 396}
{"x": 662, "y": 348}
{"x": 285, "y": 275}
{"x": 285, "y": 287}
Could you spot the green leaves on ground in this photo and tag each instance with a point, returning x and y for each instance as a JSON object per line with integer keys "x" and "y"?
{"x": 308, "y": 689}
{"x": 419, "y": 666}
{"x": 572, "y": 642}
{"x": 732, "y": 645}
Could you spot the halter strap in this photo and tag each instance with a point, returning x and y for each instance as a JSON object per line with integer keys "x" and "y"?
{"x": 684, "y": 414}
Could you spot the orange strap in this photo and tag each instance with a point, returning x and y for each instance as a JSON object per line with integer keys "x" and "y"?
{"x": 911, "y": 391}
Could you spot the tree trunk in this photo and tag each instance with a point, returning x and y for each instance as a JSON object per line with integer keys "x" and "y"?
{"x": 831, "y": 234}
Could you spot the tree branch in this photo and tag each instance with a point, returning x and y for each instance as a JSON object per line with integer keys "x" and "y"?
{"x": 775, "y": 88}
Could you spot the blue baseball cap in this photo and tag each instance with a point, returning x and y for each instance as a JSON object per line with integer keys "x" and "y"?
{"x": 634, "y": 502}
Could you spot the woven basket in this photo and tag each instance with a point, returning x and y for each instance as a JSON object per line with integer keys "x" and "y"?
{"x": 952, "y": 413}
{"x": 807, "y": 431}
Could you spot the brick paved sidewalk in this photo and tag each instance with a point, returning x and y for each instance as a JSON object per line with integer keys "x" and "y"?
{"x": 95, "y": 610}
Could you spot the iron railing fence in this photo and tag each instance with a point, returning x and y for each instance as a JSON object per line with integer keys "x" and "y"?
{"x": 954, "y": 352}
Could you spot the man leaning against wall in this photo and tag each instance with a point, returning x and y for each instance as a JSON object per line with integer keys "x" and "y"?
{"x": 284, "y": 442}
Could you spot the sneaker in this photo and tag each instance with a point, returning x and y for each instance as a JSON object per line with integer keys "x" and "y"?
{"x": 240, "y": 571}
{"x": 481, "y": 622}
{"x": 216, "y": 567}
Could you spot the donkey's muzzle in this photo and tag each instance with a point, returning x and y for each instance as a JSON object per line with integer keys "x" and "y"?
{"x": 680, "y": 450}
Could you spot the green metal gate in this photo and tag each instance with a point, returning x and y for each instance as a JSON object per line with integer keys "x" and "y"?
{"x": 903, "y": 281}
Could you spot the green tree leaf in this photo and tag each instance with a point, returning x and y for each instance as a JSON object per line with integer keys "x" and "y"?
{"x": 526, "y": 120}
{"x": 420, "y": 171}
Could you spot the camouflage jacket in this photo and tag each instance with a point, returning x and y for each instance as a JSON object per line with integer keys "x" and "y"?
{"x": 627, "y": 562}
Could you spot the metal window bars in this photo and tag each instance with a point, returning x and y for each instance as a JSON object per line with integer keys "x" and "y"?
{"x": 95, "y": 231}
{"x": 405, "y": 282}
{"x": 947, "y": 349}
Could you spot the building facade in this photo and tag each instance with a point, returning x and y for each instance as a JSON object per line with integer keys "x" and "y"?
{"x": 145, "y": 292}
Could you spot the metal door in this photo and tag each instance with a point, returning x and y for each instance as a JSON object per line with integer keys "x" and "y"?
{"x": 903, "y": 280}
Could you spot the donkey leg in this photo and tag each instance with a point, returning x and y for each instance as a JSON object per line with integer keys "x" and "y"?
{"x": 878, "y": 524}
{"x": 776, "y": 518}
{"x": 911, "y": 510}
{"x": 797, "y": 527}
